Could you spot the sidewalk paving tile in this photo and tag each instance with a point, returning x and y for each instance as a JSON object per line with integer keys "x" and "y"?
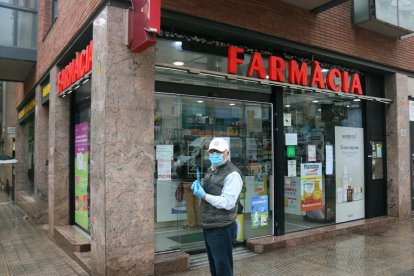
{"x": 25, "y": 248}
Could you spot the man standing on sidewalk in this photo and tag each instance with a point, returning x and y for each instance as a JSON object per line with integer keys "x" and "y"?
{"x": 220, "y": 194}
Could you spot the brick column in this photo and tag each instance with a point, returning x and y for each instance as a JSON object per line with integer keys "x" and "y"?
{"x": 398, "y": 147}
{"x": 121, "y": 179}
{"x": 40, "y": 159}
{"x": 58, "y": 178}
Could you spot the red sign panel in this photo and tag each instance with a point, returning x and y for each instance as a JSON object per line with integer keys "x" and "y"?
{"x": 76, "y": 69}
{"x": 143, "y": 24}
{"x": 297, "y": 73}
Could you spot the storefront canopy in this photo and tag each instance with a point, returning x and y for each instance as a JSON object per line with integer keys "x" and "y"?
{"x": 5, "y": 159}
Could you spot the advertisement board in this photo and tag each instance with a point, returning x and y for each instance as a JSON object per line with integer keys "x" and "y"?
{"x": 311, "y": 186}
{"x": 81, "y": 174}
{"x": 349, "y": 168}
{"x": 260, "y": 211}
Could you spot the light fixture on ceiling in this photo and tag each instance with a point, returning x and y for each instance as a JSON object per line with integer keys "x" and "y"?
{"x": 232, "y": 104}
{"x": 85, "y": 80}
{"x": 287, "y": 105}
{"x": 200, "y": 101}
{"x": 357, "y": 100}
{"x": 315, "y": 101}
{"x": 178, "y": 63}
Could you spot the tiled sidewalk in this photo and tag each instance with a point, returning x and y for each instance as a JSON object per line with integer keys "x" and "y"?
{"x": 386, "y": 250}
{"x": 25, "y": 249}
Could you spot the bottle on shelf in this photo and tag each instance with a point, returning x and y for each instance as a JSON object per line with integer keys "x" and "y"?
{"x": 345, "y": 184}
{"x": 349, "y": 194}
{"x": 339, "y": 196}
{"x": 256, "y": 221}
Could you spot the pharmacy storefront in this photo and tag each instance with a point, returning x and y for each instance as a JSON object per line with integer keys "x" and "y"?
{"x": 297, "y": 129}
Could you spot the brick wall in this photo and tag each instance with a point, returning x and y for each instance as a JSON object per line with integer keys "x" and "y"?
{"x": 45, "y": 20}
{"x": 332, "y": 30}
{"x": 53, "y": 39}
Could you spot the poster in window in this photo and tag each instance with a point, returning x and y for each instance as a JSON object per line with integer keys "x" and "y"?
{"x": 287, "y": 119}
{"x": 311, "y": 153}
{"x": 311, "y": 186}
{"x": 292, "y": 196}
{"x": 329, "y": 159}
{"x": 164, "y": 169}
{"x": 81, "y": 174}
{"x": 260, "y": 211}
{"x": 349, "y": 168}
{"x": 411, "y": 110}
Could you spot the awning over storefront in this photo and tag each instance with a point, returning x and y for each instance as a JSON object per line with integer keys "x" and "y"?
{"x": 5, "y": 159}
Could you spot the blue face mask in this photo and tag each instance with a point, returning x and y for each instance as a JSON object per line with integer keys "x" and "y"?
{"x": 216, "y": 158}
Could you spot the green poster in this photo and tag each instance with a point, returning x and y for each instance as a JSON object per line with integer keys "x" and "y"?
{"x": 81, "y": 175}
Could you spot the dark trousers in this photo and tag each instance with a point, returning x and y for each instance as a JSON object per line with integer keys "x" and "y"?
{"x": 219, "y": 244}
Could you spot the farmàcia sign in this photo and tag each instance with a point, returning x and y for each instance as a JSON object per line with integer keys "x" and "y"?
{"x": 76, "y": 69}
{"x": 297, "y": 74}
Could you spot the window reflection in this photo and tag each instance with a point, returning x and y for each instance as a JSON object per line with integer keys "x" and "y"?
{"x": 18, "y": 28}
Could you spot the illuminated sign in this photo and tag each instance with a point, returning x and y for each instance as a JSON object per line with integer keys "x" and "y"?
{"x": 26, "y": 109}
{"x": 297, "y": 73}
{"x": 76, "y": 69}
{"x": 46, "y": 90}
{"x": 143, "y": 24}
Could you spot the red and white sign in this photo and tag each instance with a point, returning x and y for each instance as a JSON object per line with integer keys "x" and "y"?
{"x": 297, "y": 73}
{"x": 143, "y": 24}
{"x": 76, "y": 69}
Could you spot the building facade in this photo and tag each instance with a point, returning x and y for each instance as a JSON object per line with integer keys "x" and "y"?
{"x": 314, "y": 101}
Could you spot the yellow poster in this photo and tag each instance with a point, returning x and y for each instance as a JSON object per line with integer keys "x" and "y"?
{"x": 240, "y": 227}
{"x": 311, "y": 186}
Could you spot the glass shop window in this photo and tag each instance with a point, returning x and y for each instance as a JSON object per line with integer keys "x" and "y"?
{"x": 324, "y": 173}
{"x": 184, "y": 127}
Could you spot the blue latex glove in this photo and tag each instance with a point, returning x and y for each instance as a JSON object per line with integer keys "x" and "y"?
{"x": 195, "y": 184}
{"x": 198, "y": 190}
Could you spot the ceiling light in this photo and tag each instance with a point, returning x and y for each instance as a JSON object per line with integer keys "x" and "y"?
{"x": 325, "y": 70}
{"x": 357, "y": 100}
{"x": 200, "y": 101}
{"x": 178, "y": 63}
{"x": 85, "y": 81}
{"x": 232, "y": 104}
{"x": 315, "y": 101}
{"x": 287, "y": 105}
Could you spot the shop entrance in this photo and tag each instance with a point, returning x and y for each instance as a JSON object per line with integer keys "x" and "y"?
{"x": 321, "y": 160}
{"x": 183, "y": 128}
